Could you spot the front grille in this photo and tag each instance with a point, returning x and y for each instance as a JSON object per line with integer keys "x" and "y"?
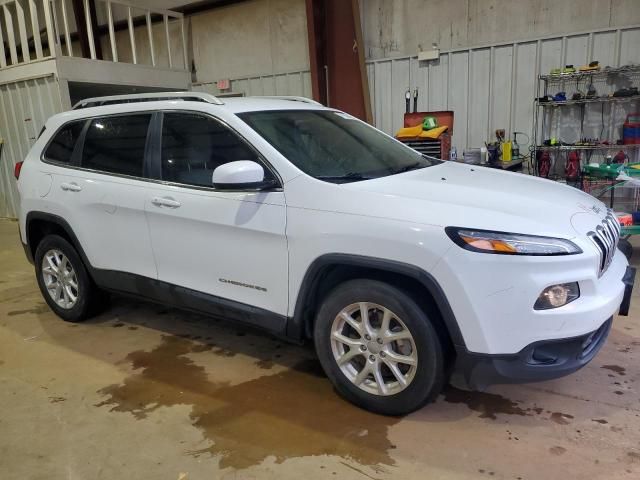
{"x": 605, "y": 237}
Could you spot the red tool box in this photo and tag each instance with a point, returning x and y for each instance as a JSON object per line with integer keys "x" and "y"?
{"x": 438, "y": 148}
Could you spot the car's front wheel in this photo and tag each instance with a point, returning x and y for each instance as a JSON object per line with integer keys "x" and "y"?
{"x": 378, "y": 347}
{"x": 64, "y": 281}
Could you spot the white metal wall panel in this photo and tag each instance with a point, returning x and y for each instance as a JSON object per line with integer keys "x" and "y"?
{"x": 477, "y": 121}
{"x": 458, "y": 92}
{"x": 289, "y": 83}
{"x": 24, "y": 109}
{"x": 494, "y": 86}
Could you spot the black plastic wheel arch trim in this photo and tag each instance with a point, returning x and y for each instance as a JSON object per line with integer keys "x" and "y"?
{"x": 299, "y": 324}
{"x": 60, "y": 222}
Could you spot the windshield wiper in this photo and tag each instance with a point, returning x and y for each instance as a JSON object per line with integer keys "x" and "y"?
{"x": 407, "y": 168}
{"x": 347, "y": 177}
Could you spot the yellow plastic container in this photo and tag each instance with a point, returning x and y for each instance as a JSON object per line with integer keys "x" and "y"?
{"x": 506, "y": 151}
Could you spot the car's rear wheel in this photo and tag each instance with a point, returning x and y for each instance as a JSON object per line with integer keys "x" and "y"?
{"x": 379, "y": 347}
{"x": 64, "y": 281}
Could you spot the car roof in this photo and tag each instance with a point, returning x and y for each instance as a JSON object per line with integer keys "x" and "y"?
{"x": 253, "y": 104}
{"x": 233, "y": 105}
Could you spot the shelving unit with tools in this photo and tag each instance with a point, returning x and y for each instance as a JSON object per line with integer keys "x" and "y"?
{"x": 580, "y": 119}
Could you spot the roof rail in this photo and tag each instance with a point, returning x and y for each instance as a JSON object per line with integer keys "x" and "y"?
{"x": 148, "y": 97}
{"x": 290, "y": 97}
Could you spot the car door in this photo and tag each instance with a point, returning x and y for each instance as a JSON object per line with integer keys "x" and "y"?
{"x": 230, "y": 244}
{"x": 102, "y": 194}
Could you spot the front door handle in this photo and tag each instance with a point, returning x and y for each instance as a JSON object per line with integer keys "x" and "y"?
{"x": 165, "y": 202}
{"x": 70, "y": 187}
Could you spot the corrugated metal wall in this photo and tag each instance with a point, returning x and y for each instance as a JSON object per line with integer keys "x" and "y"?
{"x": 492, "y": 86}
{"x": 291, "y": 83}
{"x": 25, "y": 106}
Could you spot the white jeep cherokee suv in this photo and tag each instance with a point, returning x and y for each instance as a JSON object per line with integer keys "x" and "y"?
{"x": 300, "y": 219}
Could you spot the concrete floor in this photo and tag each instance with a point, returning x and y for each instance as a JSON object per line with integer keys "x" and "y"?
{"x": 147, "y": 392}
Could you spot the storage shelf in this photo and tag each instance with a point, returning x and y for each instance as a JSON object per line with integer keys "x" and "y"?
{"x": 587, "y": 147}
{"x": 628, "y": 69}
{"x": 588, "y": 100}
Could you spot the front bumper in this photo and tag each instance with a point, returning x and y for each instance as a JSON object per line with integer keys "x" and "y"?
{"x": 493, "y": 297}
{"x": 543, "y": 360}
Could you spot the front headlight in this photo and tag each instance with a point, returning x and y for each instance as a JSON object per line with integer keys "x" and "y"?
{"x": 504, "y": 243}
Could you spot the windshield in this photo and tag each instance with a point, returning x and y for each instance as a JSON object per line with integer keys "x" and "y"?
{"x": 334, "y": 146}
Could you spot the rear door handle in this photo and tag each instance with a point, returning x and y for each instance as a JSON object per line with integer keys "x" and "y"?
{"x": 70, "y": 187}
{"x": 165, "y": 202}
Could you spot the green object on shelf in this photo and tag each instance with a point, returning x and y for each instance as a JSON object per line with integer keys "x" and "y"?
{"x": 610, "y": 171}
{"x": 429, "y": 123}
{"x": 630, "y": 230}
{"x": 602, "y": 171}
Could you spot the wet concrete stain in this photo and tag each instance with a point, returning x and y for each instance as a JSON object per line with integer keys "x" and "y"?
{"x": 490, "y": 473}
{"x": 561, "y": 418}
{"x": 615, "y": 368}
{"x": 265, "y": 364}
{"x": 601, "y": 421}
{"x": 246, "y": 423}
{"x": 361, "y": 472}
{"x": 37, "y": 310}
{"x": 557, "y": 450}
{"x": 489, "y": 405}
{"x": 619, "y": 392}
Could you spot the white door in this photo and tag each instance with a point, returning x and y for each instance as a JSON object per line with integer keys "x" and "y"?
{"x": 103, "y": 200}
{"x": 223, "y": 243}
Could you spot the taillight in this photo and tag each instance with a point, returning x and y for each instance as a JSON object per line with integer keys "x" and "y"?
{"x": 16, "y": 170}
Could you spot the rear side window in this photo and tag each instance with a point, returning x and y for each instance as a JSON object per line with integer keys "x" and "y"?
{"x": 61, "y": 147}
{"x": 116, "y": 144}
{"x": 193, "y": 146}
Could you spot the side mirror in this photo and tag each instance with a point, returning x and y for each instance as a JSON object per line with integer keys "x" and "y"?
{"x": 239, "y": 175}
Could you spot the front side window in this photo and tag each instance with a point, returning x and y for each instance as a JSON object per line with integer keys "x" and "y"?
{"x": 116, "y": 144}
{"x": 334, "y": 146}
{"x": 193, "y": 146}
{"x": 61, "y": 147}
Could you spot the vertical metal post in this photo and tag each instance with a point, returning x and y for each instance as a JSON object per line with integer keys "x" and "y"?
{"x": 35, "y": 28}
{"x": 132, "y": 37}
{"x": 11, "y": 36}
{"x": 3, "y": 53}
{"x": 168, "y": 39}
{"x": 184, "y": 43}
{"x": 87, "y": 17}
{"x": 112, "y": 34}
{"x": 65, "y": 22}
{"x": 22, "y": 29}
{"x": 150, "y": 32}
{"x": 53, "y": 28}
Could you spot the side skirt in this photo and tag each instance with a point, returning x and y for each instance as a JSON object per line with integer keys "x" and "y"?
{"x": 187, "y": 299}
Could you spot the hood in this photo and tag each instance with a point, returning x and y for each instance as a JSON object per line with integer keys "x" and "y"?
{"x": 480, "y": 197}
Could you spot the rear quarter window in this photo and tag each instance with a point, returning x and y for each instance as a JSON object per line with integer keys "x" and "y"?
{"x": 116, "y": 144}
{"x": 60, "y": 149}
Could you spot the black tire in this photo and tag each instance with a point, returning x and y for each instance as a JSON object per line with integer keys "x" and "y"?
{"x": 429, "y": 374}
{"x": 625, "y": 247}
{"x": 90, "y": 299}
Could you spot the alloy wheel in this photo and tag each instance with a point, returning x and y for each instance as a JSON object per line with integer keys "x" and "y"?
{"x": 60, "y": 278}
{"x": 374, "y": 348}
